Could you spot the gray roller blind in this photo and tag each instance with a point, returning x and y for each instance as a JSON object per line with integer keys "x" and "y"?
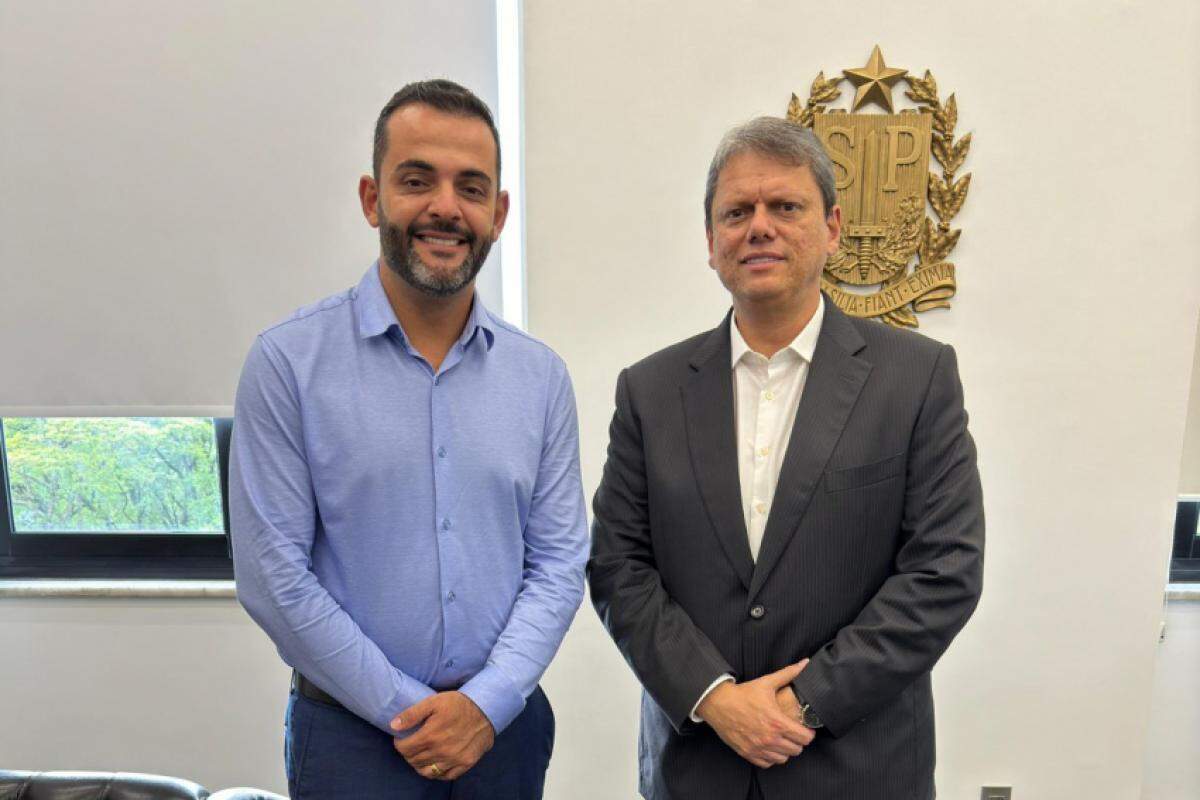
{"x": 177, "y": 175}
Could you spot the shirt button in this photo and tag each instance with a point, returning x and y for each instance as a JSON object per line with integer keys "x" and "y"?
{"x": 450, "y": 663}
{"x": 450, "y": 597}
{"x": 758, "y": 612}
{"x": 761, "y": 508}
{"x": 768, "y": 395}
{"x": 763, "y": 451}
{"x": 441, "y": 452}
{"x": 445, "y": 524}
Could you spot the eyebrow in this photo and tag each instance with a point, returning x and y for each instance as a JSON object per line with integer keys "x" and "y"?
{"x": 425, "y": 166}
{"x": 414, "y": 163}
{"x": 476, "y": 173}
{"x": 782, "y": 197}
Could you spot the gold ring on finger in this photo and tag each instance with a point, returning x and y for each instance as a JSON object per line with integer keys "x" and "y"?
{"x": 435, "y": 770}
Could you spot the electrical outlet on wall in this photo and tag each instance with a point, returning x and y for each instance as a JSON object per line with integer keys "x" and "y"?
{"x": 996, "y": 793}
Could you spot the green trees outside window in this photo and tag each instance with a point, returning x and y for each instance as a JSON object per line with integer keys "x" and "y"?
{"x": 112, "y": 475}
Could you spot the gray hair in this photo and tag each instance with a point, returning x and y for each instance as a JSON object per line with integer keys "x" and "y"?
{"x": 778, "y": 139}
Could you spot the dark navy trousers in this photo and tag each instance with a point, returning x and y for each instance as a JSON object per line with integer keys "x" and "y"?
{"x": 331, "y": 754}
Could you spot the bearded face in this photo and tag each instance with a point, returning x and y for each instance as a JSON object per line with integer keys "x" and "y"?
{"x": 447, "y": 275}
{"x": 435, "y": 199}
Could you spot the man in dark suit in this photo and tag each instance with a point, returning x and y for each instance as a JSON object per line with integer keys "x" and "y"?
{"x": 789, "y": 529}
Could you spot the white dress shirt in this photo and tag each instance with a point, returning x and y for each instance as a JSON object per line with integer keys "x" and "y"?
{"x": 766, "y": 394}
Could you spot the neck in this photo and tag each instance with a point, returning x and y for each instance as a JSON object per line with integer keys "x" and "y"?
{"x": 768, "y": 327}
{"x": 432, "y": 324}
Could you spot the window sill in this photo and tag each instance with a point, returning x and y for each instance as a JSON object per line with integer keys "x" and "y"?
{"x": 1183, "y": 591}
{"x": 117, "y": 588}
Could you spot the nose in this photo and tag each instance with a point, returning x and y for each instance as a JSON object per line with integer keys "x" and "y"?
{"x": 761, "y": 226}
{"x": 444, "y": 203}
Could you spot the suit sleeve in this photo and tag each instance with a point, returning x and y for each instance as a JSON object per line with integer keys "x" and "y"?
{"x": 938, "y": 575}
{"x": 672, "y": 658}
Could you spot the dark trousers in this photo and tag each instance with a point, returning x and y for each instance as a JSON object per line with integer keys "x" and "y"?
{"x": 331, "y": 754}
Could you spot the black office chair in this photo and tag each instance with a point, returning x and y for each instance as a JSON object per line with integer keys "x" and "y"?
{"x": 19, "y": 785}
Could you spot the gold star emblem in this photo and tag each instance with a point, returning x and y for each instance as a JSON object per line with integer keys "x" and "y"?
{"x": 874, "y": 82}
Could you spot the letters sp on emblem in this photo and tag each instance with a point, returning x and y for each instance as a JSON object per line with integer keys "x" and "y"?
{"x": 884, "y": 183}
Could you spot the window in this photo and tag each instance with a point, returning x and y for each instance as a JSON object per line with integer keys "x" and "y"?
{"x": 114, "y": 497}
{"x": 1185, "y": 554}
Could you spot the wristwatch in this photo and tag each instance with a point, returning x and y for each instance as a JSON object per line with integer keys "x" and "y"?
{"x": 808, "y": 717}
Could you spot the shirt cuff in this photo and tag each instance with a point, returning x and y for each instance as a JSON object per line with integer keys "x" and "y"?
{"x": 409, "y": 693}
{"x": 721, "y": 679}
{"x": 496, "y": 697}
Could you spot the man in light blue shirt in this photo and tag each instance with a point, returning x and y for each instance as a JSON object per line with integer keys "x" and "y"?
{"x": 407, "y": 515}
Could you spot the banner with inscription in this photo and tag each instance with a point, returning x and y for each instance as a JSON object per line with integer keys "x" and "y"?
{"x": 924, "y": 288}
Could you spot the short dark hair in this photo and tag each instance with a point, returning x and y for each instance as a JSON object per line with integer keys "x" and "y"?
{"x": 446, "y": 96}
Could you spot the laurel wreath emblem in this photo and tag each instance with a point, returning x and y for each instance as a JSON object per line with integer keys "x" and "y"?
{"x": 946, "y": 196}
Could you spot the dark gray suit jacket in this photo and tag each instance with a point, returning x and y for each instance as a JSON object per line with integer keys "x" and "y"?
{"x": 871, "y": 562}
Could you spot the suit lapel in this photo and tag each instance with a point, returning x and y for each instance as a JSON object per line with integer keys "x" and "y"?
{"x": 834, "y": 382}
{"x": 712, "y": 443}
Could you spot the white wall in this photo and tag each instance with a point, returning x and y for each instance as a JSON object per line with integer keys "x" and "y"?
{"x": 1075, "y": 323}
{"x": 176, "y": 687}
{"x": 1189, "y": 473}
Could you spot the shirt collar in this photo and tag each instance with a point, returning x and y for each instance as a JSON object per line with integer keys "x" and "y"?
{"x": 804, "y": 345}
{"x": 480, "y": 320}
{"x": 376, "y": 316}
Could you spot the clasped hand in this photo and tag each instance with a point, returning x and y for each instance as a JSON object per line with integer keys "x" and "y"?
{"x": 759, "y": 719}
{"x": 454, "y": 735}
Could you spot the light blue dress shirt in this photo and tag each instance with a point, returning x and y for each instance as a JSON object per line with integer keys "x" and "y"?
{"x": 399, "y": 531}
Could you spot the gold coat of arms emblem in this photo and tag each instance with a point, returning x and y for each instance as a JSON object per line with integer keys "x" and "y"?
{"x": 891, "y": 262}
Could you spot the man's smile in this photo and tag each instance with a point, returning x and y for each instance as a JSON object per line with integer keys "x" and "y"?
{"x": 760, "y": 259}
{"x": 441, "y": 239}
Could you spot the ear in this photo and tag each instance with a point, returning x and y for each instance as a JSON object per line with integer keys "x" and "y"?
{"x": 708, "y": 234}
{"x": 833, "y": 224}
{"x": 500, "y": 216}
{"x": 368, "y": 195}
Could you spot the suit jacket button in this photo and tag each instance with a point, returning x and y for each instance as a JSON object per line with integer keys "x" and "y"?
{"x": 758, "y": 612}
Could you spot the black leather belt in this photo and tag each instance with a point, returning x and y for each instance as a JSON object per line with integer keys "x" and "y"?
{"x": 308, "y": 689}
